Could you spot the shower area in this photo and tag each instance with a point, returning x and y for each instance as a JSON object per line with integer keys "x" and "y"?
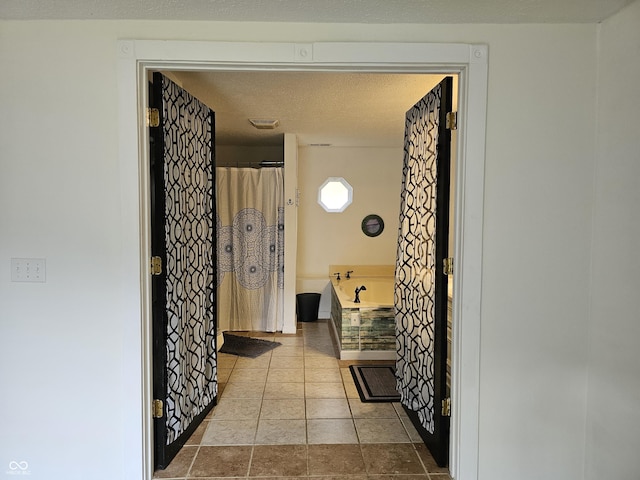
{"x": 250, "y": 236}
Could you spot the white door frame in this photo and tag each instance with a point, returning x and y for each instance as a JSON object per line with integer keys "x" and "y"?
{"x": 137, "y": 57}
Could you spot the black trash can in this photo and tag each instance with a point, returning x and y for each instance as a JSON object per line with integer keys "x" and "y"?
{"x": 307, "y": 305}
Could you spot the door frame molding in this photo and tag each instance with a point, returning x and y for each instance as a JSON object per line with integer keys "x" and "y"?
{"x": 137, "y": 57}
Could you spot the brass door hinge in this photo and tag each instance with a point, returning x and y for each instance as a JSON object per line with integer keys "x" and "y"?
{"x": 446, "y": 407}
{"x": 153, "y": 117}
{"x": 447, "y": 266}
{"x": 452, "y": 120}
{"x": 156, "y": 266}
{"x": 157, "y": 408}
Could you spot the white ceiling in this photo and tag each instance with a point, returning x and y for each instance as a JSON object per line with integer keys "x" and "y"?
{"x": 341, "y": 109}
{"x": 338, "y": 109}
{"x": 320, "y": 11}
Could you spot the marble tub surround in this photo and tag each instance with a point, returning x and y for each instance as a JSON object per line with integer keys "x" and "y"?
{"x": 292, "y": 427}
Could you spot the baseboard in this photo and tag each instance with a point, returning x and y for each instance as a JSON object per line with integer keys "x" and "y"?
{"x": 367, "y": 354}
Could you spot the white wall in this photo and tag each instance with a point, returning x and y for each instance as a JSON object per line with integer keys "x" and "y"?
{"x": 63, "y": 343}
{"x": 613, "y": 421}
{"x": 336, "y": 238}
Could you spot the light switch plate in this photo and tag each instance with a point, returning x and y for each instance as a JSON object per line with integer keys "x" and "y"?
{"x": 355, "y": 319}
{"x": 28, "y": 270}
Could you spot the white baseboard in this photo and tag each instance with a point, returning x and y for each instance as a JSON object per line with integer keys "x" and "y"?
{"x": 367, "y": 354}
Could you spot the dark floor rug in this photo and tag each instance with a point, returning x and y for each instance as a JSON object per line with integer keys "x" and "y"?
{"x": 375, "y": 383}
{"x": 246, "y": 346}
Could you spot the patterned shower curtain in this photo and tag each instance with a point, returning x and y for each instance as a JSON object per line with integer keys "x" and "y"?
{"x": 250, "y": 248}
{"x": 415, "y": 265}
{"x": 190, "y": 302}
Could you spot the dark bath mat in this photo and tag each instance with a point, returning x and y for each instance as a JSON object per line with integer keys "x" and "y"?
{"x": 246, "y": 346}
{"x": 375, "y": 383}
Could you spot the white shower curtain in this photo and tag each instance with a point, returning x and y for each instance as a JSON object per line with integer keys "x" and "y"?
{"x": 250, "y": 231}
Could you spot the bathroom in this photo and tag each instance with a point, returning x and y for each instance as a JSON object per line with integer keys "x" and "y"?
{"x": 374, "y": 173}
{"x": 370, "y": 162}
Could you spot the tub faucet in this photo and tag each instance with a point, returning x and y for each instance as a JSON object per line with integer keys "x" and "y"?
{"x": 337, "y": 275}
{"x": 358, "y": 290}
{"x": 349, "y": 272}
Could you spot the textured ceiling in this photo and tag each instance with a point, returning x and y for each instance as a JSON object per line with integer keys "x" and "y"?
{"x": 341, "y": 109}
{"x": 338, "y": 109}
{"x": 332, "y": 11}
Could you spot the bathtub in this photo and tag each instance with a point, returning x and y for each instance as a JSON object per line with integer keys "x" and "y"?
{"x": 379, "y": 292}
{"x": 365, "y": 330}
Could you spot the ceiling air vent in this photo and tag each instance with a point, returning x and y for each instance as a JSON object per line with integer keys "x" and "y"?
{"x": 261, "y": 124}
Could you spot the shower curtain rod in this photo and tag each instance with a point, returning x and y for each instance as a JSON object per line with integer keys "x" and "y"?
{"x": 261, "y": 164}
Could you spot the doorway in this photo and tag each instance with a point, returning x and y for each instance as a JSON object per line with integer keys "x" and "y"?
{"x": 468, "y": 61}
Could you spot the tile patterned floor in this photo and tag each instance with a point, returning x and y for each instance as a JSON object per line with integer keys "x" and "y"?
{"x": 295, "y": 412}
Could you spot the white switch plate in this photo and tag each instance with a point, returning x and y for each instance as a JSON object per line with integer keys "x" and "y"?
{"x": 28, "y": 270}
{"x": 355, "y": 319}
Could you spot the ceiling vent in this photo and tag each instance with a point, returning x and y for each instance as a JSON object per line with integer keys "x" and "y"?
{"x": 261, "y": 124}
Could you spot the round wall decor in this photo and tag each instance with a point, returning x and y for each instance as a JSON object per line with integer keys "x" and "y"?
{"x": 372, "y": 225}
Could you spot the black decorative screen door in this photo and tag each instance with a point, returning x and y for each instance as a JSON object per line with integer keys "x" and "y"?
{"x": 420, "y": 283}
{"x": 184, "y": 293}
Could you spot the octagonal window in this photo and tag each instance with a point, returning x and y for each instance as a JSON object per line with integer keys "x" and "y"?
{"x": 335, "y": 194}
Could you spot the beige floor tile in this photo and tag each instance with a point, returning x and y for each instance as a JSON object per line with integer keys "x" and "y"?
{"x": 346, "y": 374}
{"x": 196, "y": 437}
{"x": 414, "y": 436}
{"x": 284, "y": 390}
{"x": 322, "y": 375}
{"x": 244, "y": 390}
{"x": 287, "y": 362}
{"x": 290, "y": 341}
{"x": 237, "y": 409}
{"x": 260, "y": 362}
{"x": 399, "y": 409}
{"x": 226, "y": 361}
{"x": 327, "y": 408}
{"x": 319, "y": 350}
{"x": 320, "y": 362}
{"x": 298, "y": 412}
{"x": 285, "y": 375}
{"x": 288, "y": 351}
{"x": 324, "y": 390}
{"x": 223, "y": 374}
{"x": 248, "y": 375}
{"x": 283, "y": 409}
{"x": 230, "y": 432}
{"x": 361, "y": 409}
{"x": 281, "y": 432}
{"x": 330, "y": 431}
{"x": 351, "y": 390}
{"x": 381, "y": 430}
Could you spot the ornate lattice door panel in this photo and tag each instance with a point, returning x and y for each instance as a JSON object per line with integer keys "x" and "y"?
{"x": 183, "y": 231}
{"x": 421, "y": 285}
